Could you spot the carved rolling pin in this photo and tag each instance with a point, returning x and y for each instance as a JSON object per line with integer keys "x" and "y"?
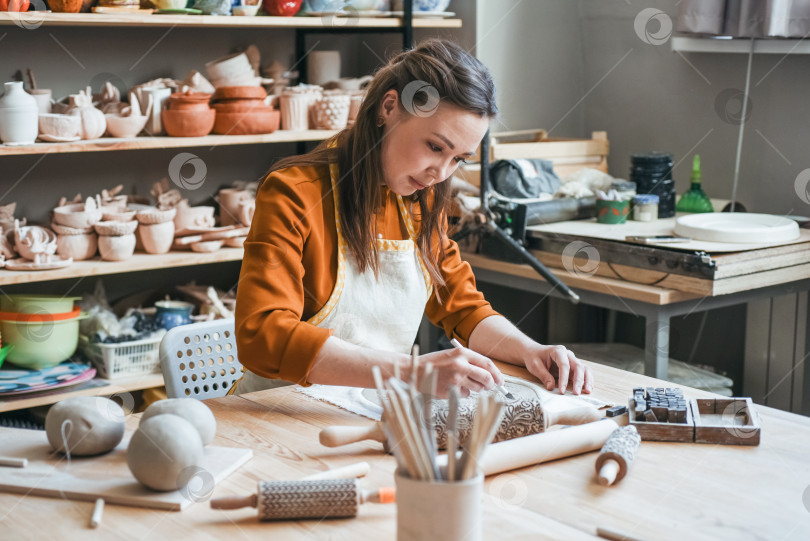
{"x": 617, "y": 455}
{"x": 521, "y": 418}
{"x": 282, "y": 500}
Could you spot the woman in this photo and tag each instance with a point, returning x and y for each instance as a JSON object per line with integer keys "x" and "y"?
{"x": 348, "y": 249}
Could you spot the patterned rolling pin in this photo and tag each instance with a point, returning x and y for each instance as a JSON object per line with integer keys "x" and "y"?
{"x": 283, "y": 500}
{"x": 522, "y": 417}
{"x": 617, "y": 455}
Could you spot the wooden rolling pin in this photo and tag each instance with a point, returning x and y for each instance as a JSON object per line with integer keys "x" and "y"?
{"x": 521, "y": 418}
{"x": 331, "y": 498}
{"x": 545, "y": 447}
{"x": 617, "y": 455}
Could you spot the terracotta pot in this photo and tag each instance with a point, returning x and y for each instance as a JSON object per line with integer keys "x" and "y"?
{"x": 247, "y": 123}
{"x": 240, "y": 92}
{"x": 189, "y": 106}
{"x": 188, "y": 97}
{"x": 77, "y": 246}
{"x": 194, "y": 218}
{"x": 295, "y": 111}
{"x": 230, "y": 203}
{"x": 331, "y": 112}
{"x": 281, "y": 8}
{"x": 65, "y": 6}
{"x": 188, "y": 123}
{"x": 116, "y": 248}
{"x": 157, "y": 238}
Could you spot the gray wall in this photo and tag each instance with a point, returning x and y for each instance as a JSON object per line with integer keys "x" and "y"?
{"x": 659, "y": 99}
{"x": 534, "y": 51}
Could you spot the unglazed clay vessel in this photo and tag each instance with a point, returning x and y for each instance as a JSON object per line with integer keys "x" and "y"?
{"x": 190, "y": 409}
{"x": 230, "y": 203}
{"x": 32, "y": 240}
{"x": 93, "y": 425}
{"x": 116, "y": 248}
{"x": 93, "y": 122}
{"x": 156, "y": 238}
{"x": 161, "y": 449}
{"x": 83, "y": 246}
{"x": 18, "y": 115}
{"x": 78, "y": 215}
{"x": 193, "y": 218}
{"x": 60, "y": 127}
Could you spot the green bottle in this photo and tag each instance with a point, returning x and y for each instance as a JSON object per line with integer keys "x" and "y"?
{"x": 695, "y": 199}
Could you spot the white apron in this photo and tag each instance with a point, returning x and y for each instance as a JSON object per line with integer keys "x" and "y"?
{"x": 377, "y": 312}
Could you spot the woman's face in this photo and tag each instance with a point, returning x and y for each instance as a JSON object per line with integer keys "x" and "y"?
{"x": 418, "y": 152}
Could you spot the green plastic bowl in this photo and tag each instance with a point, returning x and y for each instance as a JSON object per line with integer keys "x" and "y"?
{"x": 36, "y": 304}
{"x": 40, "y": 344}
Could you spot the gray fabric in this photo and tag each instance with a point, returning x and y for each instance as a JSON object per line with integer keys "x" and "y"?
{"x": 511, "y": 178}
{"x": 745, "y": 18}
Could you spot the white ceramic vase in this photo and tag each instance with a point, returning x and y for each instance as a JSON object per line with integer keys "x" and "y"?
{"x": 295, "y": 111}
{"x": 18, "y": 115}
{"x": 331, "y": 112}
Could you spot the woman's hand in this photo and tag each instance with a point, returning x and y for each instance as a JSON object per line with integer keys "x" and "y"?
{"x": 554, "y": 365}
{"x": 462, "y": 367}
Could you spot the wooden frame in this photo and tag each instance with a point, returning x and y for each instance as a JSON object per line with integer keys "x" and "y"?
{"x": 651, "y": 431}
{"x": 708, "y": 429}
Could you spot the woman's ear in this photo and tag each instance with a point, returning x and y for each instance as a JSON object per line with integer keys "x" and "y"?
{"x": 389, "y": 106}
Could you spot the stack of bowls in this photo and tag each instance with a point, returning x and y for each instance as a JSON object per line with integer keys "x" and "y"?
{"x": 241, "y": 110}
{"x": 43, "y": 329}
{"x": 187, "y": 114}
{"x": 232, "y": 70}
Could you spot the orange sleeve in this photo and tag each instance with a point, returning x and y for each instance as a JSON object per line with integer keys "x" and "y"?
{"x": 463, "y": 306}
{"x": 272, "y": 340}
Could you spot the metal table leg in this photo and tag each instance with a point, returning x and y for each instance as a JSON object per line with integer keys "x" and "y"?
{"x": 656, "y": 344}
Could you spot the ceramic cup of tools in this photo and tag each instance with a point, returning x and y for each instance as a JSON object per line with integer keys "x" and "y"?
{"x": 438, "y": 510}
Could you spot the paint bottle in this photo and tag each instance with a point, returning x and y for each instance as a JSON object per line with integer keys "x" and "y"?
{"x": 695, "y": 199}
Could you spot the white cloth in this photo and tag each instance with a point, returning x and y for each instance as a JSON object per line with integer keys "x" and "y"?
{"x": 380, "y": 312}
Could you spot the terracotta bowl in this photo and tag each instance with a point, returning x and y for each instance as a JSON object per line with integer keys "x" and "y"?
{"x": 118, "y": 215}
{"x": 254, "y": 122}
{"x": 188, "y": 123}
{"x": 115, "y": 229}
{"x": 236, "y": 106}
{"x": 63, "y": 230}
{"x": 155, "y": 216}
{"x": 65, "y": 6}
{"x": 240, "y": 92}
{"x": 125, "y": 126}
{"x": 75, "y": 216}
{"x": 60, "y": 125}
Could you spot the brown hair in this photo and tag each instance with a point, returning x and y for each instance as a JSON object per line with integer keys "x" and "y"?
{"x": 457, "y": 78}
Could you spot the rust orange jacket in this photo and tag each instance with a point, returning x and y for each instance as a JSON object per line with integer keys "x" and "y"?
{"x": 290, "y": 269}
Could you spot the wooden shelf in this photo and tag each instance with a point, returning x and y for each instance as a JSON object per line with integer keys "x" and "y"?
{"x": 105, "y": 144}
{"x": 136, "y": 263}
{"x": 688, "y": 44}
{"x": 32, "y": 19}
{"x": 90, "y": 388}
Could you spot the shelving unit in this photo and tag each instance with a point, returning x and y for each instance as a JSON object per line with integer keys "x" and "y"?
{"x": 689, "y": 44}
{"x": 138, "y": 262}
{"x": 211, "y": 21}
{"x": 107, "y": 387}
{"x": 301, "y": 25}
{"x": 144, "y": 143}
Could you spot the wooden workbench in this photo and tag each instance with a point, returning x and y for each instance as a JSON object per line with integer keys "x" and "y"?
{"x": 673, "y": 491}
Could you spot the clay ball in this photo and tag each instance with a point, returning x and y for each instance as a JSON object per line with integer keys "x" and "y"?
{"x": 96, "y": 425}
{"x": 161, "y": 449}
{"x": 190, "y": 409}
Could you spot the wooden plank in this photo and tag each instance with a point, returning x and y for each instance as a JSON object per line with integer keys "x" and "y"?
{"x": 138, "y": 262}
{"x": 115, "y": 386}
{"x": 209, "y": 21}
{"x": 757, "y": 343}
{"x": 106, "y": 144}
{"x": 48, "y": 474}
{"x": 780, "y": 367}
{"x": 627, "y": 290}
{"x": 800, "y": 354}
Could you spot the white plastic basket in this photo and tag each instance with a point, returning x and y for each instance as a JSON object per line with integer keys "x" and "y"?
{"x": 124, "y": 359}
